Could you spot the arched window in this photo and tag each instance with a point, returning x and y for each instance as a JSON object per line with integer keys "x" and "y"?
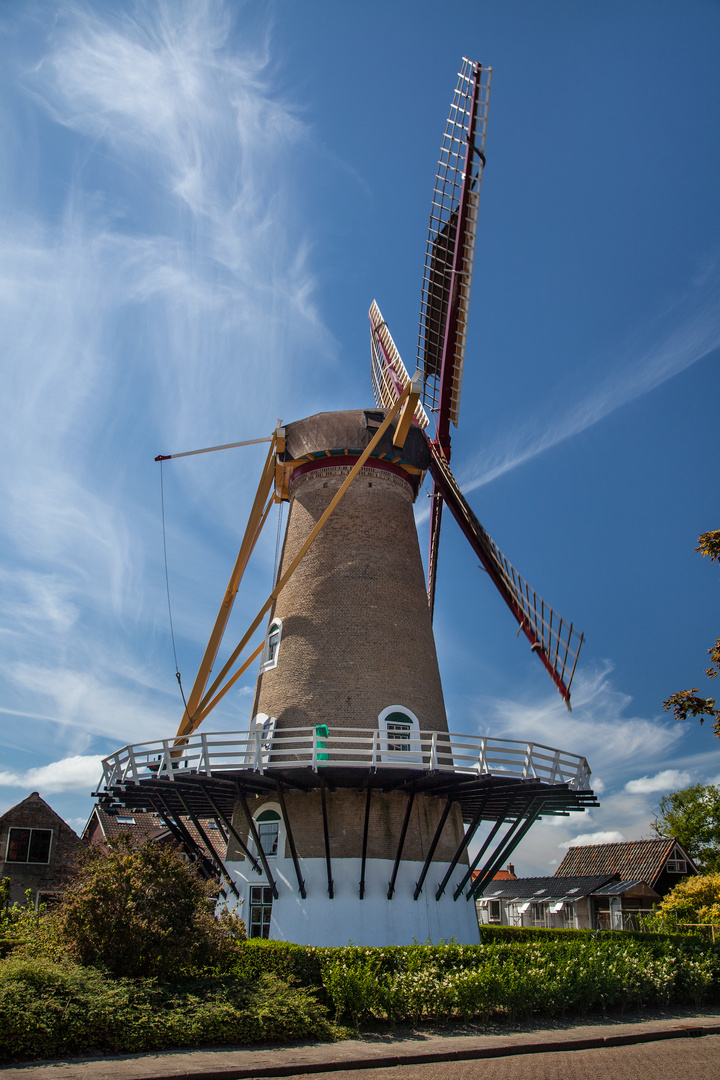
{"x": 400, "y": 733}
{"x": 267, "y": 823}
{"x": 272, "y": 646}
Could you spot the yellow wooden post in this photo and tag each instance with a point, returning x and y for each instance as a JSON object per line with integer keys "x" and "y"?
{"x": 209, "y": 702}
{"x": 258, "y": 515}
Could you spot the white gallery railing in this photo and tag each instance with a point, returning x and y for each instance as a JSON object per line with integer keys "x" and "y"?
{"x": 358, "y": 748}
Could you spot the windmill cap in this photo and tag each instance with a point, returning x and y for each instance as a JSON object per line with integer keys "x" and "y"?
{"x": 330, "y": 433}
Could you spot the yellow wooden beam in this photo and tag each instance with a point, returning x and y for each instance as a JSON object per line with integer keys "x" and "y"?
{"x": 258, "y": 516}
{"x": 199, "y": 717}
{"x": 406, "y": 416}
{"x": 209, "y": 702}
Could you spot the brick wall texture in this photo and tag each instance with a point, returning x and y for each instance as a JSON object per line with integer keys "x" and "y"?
{"x": 346, "y": 818}
{"x": 34, "y": 813}
{"x": 356, "y": 629}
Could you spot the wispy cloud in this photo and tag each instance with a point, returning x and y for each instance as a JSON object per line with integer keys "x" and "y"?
{"x": 657, "y": 351}
{"x": 601, "y": 726}
{"x": 155, "y": 297}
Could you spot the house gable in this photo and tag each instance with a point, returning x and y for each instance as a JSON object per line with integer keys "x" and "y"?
{"x": 37, "y": 849}
{"x": 656, "y": 862}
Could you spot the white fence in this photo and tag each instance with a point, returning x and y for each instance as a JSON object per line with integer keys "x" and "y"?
{"x": 354, "y": 748}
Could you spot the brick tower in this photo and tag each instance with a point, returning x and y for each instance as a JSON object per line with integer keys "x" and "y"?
{"x": 350, "y": 650}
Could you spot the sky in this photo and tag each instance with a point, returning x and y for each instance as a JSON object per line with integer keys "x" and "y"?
{"x": 199, "y": 202}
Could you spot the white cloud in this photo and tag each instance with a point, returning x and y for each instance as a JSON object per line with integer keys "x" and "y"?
{"x": 604, "y": 836}
{"x": 600, "y": 727}
{"x": 667, "y": 780}
{"x": 77, "y": 773}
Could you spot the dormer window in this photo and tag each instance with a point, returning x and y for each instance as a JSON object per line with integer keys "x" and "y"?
{"x": 272, "y": 646}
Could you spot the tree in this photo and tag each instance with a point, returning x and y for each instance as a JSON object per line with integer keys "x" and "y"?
{"x": 144, "y": 911}
{"x": 692, "y": 816}
{"x": 696, "y": 900}
{"x": 686, "y": 703}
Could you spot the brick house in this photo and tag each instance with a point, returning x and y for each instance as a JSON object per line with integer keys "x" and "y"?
{"x": 661, "y": 863}
{"x": 37, "y": 850}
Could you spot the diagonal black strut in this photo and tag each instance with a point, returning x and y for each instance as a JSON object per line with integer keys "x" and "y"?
{"x": 256, "y": 841}
{"x": 290, "y": 839}
{"x": 328, "y": 864}
{"x": 471, "y": 830}
{"x": 505, "y": 849}
{"x": 240, "y": 842}
{"x": 486, "y": 844}
{"x": 401, "y": 844}
{"x": 208, "y": 844}
{"x": 364, "y": 842}
{"x": 431, "y": 851}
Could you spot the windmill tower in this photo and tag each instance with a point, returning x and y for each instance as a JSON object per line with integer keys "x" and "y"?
{"x": 348, "y": 806}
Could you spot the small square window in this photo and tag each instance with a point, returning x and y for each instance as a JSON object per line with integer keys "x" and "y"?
{"x": 494, "y": 911}
{"x": 29, "y": 845}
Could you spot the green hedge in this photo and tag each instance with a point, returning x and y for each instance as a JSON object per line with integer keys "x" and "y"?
{"x": 282, "y": 991}
{"x": 556, "y": 973}
{"x": 49, "y": 1010}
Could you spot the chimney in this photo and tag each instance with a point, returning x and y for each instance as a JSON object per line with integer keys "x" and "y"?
{"x": 511, "y": 869}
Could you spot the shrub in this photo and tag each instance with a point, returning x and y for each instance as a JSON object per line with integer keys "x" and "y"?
{"x": 695, "y": 899}
{"x": 144, "y": 911}
{"x": 51, "y": 1010}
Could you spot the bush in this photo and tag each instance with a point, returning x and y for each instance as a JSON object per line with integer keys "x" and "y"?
{"x": 695, "y": 899}
{"x": 51, "y": 1010}
{"x": 144, "y": 911}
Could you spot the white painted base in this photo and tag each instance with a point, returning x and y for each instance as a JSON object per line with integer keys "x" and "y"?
{"x": 375, "y": 920}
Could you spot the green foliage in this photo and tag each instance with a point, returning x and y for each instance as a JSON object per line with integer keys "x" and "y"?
{"x": 282, "y": 991}
{"x": 695, "y": 899}
{"x": 144, "y": 911}
{"x": 551, "y": 976}
{"x": 692, "y": 816}
{"x": 687, "y": 703}
{"x": 52, "y": 1010}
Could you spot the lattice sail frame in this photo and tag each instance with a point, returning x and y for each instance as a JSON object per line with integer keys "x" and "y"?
{"x": 440, "y": 247}
{"x": 387, "y": 371}
{"x": 555, "y": 641}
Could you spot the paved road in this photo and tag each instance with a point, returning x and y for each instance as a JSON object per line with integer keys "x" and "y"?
{"x": 674, "y": 1059}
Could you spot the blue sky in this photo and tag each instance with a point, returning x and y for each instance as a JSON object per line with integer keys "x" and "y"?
{"x": 200, "y": 201}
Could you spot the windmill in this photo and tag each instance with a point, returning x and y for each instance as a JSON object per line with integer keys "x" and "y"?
{"x": 348, "y": 806}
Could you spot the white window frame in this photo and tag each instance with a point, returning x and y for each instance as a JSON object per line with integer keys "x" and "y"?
{"x": 389, "y": 748}
{"x": 677, "y": 863}
{"x": 271, "y": 651}
{"x": 260, "y": 740}
{"x": 275, "y": 808}
{"x": 266, "y": 901}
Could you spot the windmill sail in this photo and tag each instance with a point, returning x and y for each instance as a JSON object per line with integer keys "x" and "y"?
{"x": 388, "y": 373}
{"x": 450, "y": 248}
{"x": 555, "y": 641}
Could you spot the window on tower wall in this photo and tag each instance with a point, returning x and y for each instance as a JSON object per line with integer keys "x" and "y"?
{"x": 268, "y": 827}
{"x": 272, "y": 646}
{"x": 261, "y": 899}
{"x": 400, "y": 733}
